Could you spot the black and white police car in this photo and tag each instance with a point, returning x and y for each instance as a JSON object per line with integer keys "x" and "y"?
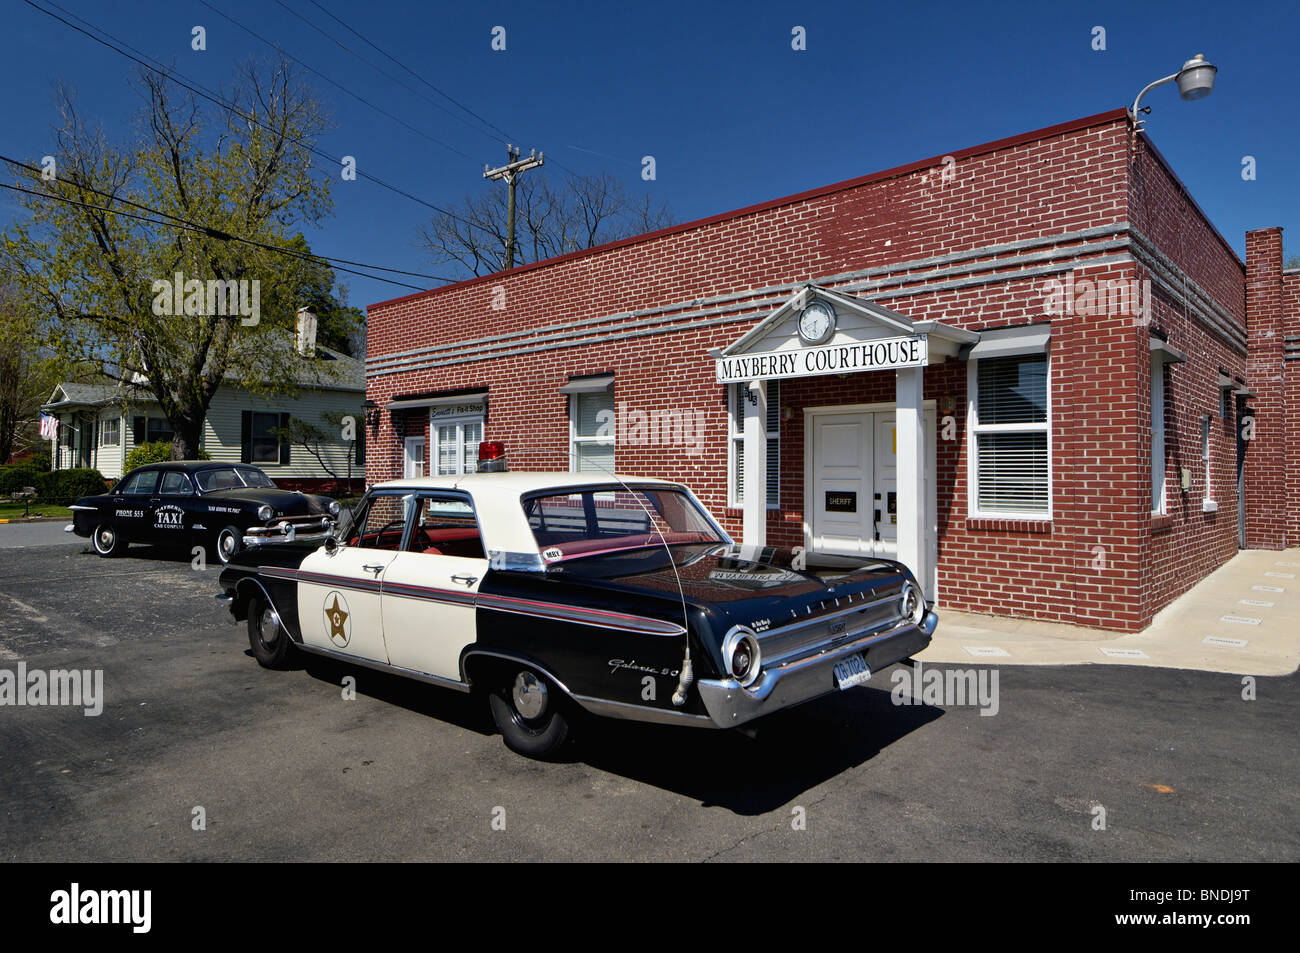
{"x": 555, "y": 594}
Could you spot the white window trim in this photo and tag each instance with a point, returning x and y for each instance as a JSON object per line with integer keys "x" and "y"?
{"x": 974, "y": 428}
{"x": 1160, "y": 472}
{"x": 117, "y": 437}
{"x": 736, "y": 434}
{"x": 406, "y": 457}
{"x": 1208, "y": 504}
{"x": 609, "y": 440}
{"x": 433, "y": 453}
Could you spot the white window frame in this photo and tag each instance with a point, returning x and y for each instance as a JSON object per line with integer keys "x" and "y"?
{"x": 1159, "y": 459}
{"x": 609, "y": 440}
{"x": 974, "y": 428}
{"x": 736, "y": 435}
{"x": 117, "y": 432}
{"x": 1208, "y": 504}
{"x": 463, "y": 461}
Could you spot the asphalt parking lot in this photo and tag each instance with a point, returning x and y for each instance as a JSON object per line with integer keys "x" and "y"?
{"x": 284, "y": 768}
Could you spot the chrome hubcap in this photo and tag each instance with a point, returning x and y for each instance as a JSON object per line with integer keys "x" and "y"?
{"x": 529, "y": 695}
{"x": 269, "y": 623}
{"x": 105, "y": 539}
{"x": 227, "y": 545}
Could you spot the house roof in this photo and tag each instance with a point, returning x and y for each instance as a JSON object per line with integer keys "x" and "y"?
{"x": 332, "y": 370}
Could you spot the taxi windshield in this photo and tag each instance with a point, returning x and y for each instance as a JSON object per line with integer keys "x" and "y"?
{"x": 231, "y": 478}
{"x": 609, "y": 519}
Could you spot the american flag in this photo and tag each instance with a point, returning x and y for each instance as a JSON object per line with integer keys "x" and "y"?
{"x": 49, "y": 427}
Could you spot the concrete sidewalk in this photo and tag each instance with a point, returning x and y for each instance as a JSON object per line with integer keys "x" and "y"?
{"x": 1242, "y": 619}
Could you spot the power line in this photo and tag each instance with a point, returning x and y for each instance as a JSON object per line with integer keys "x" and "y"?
{"x": 387, "y": 75}
{"x": 186, "y": 83}
{"x": 491, "y": 125}
{"x": 207, "y": 230}
{"x": 398, "y": 62}
{"x": 335, "y": 83}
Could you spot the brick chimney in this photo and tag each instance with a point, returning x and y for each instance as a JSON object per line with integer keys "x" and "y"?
{"x": 305, "y": 335}
{"x": 1269, "y": 507}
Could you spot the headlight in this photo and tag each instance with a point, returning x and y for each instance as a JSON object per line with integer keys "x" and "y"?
{"x": 333, "y": 507}
{"x": 742, "y": 656}
{"x": 911, "y": 605}
{"x": 265, "y": 512}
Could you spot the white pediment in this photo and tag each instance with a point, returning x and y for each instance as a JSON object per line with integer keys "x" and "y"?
{"x": 858, "y": 323}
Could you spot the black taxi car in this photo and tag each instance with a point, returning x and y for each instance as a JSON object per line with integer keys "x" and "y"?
{"x": 222, "y": 506}
{"x": 557, "y": 593}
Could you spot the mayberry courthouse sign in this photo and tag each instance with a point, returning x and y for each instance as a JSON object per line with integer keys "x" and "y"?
{"x": 877, "y": 355}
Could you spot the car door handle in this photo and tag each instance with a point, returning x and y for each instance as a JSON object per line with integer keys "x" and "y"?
{"x": 374, "y": 569}
{"x": 465, "y": 580}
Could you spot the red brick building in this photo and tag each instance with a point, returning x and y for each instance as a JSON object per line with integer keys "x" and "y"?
{"x": 1026, "y": 369}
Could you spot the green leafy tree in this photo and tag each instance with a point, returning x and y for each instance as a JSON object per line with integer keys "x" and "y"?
{"x": 103, "y": 281}
{"x": 28, "y": 374}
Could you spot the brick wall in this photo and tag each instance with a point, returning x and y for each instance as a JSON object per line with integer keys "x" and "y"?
{"x": 1271, "y": 457}
{"x": 649, "y": 310}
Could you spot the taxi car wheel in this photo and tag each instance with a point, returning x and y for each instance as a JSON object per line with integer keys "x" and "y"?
{"x": 228, "y": 544}
{"x": 108, "y": 541}
{"x": 266, "y": 635}
{"x": 529, "y": 713}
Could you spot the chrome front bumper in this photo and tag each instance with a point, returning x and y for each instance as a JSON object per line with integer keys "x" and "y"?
{"x": 804, "y": 679}
{"x": 300, "y": 529}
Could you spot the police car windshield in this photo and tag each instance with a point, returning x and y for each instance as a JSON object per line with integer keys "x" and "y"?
{"x": 588, "y": 522}
{"x": 231, "y": 478}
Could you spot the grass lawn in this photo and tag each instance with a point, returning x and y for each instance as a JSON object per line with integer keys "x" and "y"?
{"x": 11, "y": 510}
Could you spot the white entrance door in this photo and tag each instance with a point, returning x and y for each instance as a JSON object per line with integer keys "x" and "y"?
{"x": 842, "y": 455}
{"x": 415, "y": 457}
{"x": 855, "y": 484}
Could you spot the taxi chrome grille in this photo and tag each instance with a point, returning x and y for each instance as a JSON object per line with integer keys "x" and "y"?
{"x": 820, "y": 633}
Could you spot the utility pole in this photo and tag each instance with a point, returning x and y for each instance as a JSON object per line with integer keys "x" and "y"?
{"x": 511, "y": 172}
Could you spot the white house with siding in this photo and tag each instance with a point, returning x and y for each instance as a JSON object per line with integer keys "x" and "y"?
{"x": 99, "y": 424}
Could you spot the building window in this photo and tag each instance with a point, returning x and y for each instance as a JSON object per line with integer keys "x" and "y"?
{"x": 591, "y": 432}
{"x": 457, "y": 445}
{"x": 1225, "y": 402}
{"x": 111, "y": 434}
{"x": 1011, "y": 436}
{"x": 736, "y": 444}
{"x": 151, "y": 430}
{"x": 1159, "y": 500}
{"x": 262, "y": 438}
{"x": 1207, "y": 504}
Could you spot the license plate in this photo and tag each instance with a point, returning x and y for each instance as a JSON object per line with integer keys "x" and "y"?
{"x": 851, "y": 671}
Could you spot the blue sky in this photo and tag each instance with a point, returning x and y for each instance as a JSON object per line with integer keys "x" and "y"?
{"x": 732, "y": 115}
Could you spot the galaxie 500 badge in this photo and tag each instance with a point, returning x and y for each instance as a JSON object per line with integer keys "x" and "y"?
{"x": 338, "y": 619}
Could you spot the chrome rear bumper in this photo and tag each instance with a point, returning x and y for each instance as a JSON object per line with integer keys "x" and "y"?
{"x": 801, "y": 680}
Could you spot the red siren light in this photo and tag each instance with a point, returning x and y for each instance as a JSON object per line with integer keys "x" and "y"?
{"x": 491, "y": 456}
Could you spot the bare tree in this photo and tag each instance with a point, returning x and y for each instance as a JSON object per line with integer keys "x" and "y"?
{"x": 580, "y": 212}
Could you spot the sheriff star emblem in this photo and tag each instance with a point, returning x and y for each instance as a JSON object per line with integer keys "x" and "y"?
{"x": 336, "y": 619}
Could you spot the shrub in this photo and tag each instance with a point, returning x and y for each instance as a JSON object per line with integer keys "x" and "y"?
{"x": 160, "y": 451}
{"x": 15, "y": 476}
{"x": 70, "y": 484}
